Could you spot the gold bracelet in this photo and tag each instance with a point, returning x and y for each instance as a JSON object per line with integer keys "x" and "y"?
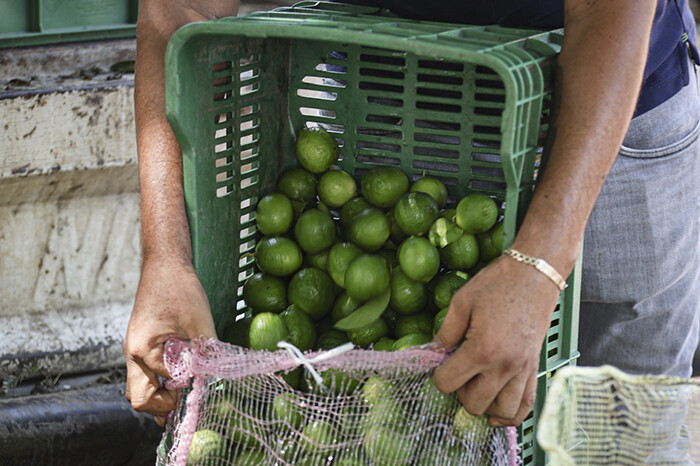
{"x": 540, "y": 264}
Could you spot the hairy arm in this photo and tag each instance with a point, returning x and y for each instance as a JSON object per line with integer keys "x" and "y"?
{"x": 600, "y": 73}
{"x": 170, "y": 300}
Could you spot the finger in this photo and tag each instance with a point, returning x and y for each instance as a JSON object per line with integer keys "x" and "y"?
{"x": 508, "y": 400}
{"x": 526, "y": 403}
{"x": 145, "y": 393}
{"x": 478, "y": 394}
{"x": 454, "y": 326}
{"x": 458, "y": 370}
{"x": 160, "y": 420}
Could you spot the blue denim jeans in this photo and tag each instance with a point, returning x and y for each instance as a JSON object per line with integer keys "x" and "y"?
{"x": 641, "y": 254}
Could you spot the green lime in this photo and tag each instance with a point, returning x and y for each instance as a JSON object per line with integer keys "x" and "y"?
{"x": 366, "y": 277}
{"x": 265, "y": 293}
{"x": 443, "y": 232}
{"x": 318, "y": 260}
{"x": 476, "y": 213}
{"x": 292, "y": 378}
{"x": 351, "y": 208}
{"x": 439, "y": 405}
{"x": 318, "y": 436}
{"x": 447, "y": 285}
{"x": 266, "y": 329}
{"x": 416, "y": 323}
{"x": 298, "y": 185}
{"x": 316, "y": 150}
{"x": 410, "y": 340}
{"x": 487, "y": 250}
{"x": 314, "y": 231}
{"x": 339, "y": 382}
{"x": 206, "y": 445}
{"x": 250, "y": 458}
{"x": 469, "y": 426}
{"x": 438, "y": 320}
{"x": 384, "y": 344}
{"x": 387, "y": 447}
{"x": 462, "y": 254}
{"x": 383, "y": 186}
{"x": 245, "y": 431}
{"x": 369, "y": 229}
{"x": 336, "y": 187}
{"x": 331, "y": 339}
{"x": 497, "y": 236}
{"x": 344, "y": 306}
{"x": 236, "y": 332}
{"x": 287, "y": 448}
{"x": 339, "y": 258}
{"x": 288, "y": 408}
{"x": 302, "y": 330}
{"x": 433, "y": 187}
{"x": 369, "y": 334}
{"x": 449, "y": 214}
{"x": 407, "y": 296}
{"x": 396, "y": 234}
{"x": 274, "y": 215}
{"x": 419, "y": 259}
{"x": 278, "y": 256}
{"x": 376, "y": 389}
{"x": 415, "y": 213}
{"x": 311, "y": 290}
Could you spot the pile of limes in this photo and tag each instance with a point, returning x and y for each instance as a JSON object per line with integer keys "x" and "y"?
{"x": 375, "y": 264}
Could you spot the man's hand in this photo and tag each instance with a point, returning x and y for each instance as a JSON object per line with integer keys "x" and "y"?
{"x": 170, "y": 302}
{"x": 503, "y": 312}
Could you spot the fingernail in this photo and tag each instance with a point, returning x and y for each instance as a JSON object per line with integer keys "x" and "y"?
{"x": 495, "y": 423}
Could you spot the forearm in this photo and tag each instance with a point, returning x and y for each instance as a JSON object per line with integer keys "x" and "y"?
{"x": 164, "y": 227}
{"x": 600, "y": 74}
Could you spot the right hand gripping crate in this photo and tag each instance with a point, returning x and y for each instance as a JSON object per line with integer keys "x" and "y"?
{"x": 466, "y": 104}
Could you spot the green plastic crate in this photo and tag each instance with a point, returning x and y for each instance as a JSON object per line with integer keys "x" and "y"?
{"x": 40, "y": 22}
{"x": 466, "y": 104}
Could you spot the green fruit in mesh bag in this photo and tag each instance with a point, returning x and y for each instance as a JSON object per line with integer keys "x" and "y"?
{"x": 340, "y": 382}
{"x": 250, "y": 458}
{"x": 318, "y": 436}
{"x": 287, "y": 408}
{"x": 437, "y": 404}
{"x": 207, "y": 445}
{"x": 469, "y": 426}
{"x": 375, "y": 389}
{"x": 245, "y": 431}
{"x": 386, "y": 446}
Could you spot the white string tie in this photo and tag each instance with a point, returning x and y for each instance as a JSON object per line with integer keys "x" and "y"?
{"x": 301, "y": 360}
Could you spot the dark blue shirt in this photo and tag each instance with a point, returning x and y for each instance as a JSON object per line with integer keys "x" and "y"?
{"x": 672, "y": 35}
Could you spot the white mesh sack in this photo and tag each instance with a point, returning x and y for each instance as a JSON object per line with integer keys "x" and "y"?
{"x": 356, "y": 407}
{"x": 602, "y": 416}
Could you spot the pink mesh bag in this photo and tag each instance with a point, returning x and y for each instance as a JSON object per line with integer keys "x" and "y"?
{"x": 354, "y": 407}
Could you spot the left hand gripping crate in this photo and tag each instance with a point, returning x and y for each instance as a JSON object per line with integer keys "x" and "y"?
{"x": 466, "y": 104}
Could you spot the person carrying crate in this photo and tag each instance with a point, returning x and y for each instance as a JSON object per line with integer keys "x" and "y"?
{"x": 622, "y": 169}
